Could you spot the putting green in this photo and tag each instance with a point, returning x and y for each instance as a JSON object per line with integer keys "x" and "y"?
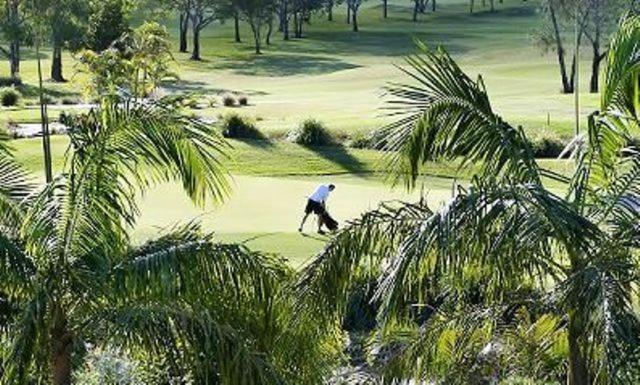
{"x": 264, "y": 212}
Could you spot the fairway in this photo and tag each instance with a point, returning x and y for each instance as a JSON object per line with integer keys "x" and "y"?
{"x": 265, "y": 212}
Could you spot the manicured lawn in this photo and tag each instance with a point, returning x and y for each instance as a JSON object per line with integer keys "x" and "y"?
{"x": 270, "y": 183}
{"x": 337, "y": 76}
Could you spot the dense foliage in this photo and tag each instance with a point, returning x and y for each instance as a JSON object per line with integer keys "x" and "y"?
{"x": 508, "y": 278}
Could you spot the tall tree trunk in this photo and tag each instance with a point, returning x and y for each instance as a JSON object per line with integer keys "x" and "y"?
{"x": 184, "y": 28}
{"x": 256, "y": 37}
{"x": 471, "y": 3}
{"x": 330, "y": 10}
{"x": 195, "y": 53}
{"x": 567, "y": 86}
{"x": 493, "y": 5}
{"x": 594, "y": 84}
{"x": 415, "y": 10}
{"x": 236, "y": 26}
{"x": 354, "y": 19}
{"x": 354, "y": 14}
{"x": 578, "y": 371}
{"x": 433, "y": 5}
{"x": 285, "y": 22}
{"x": 269, "y": 31}
{"x": 348, "y": 13}
{"x": 14, "y": 59}
{"x": 384, "y": 9}
{"x": 56, "y": 63}
{"x": 61, "y": 348}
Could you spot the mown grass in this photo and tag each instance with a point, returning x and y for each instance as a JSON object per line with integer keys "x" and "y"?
{"x": 337, "y": 76}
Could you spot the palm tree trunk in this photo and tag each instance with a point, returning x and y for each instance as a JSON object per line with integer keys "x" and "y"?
{"x": 44, "y": 121}
{"x": 578, "y": 371}
{"x": 61, "y": 349}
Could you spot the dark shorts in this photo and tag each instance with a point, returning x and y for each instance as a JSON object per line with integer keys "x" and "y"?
{"x": 314, "y": 207}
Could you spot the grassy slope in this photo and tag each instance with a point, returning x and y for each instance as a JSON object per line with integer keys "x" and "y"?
{"x": 270, "y": 183}
{"x": 336, "y": 75}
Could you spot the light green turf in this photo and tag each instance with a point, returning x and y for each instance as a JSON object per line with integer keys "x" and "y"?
{"x": 336, "y": 75}
{"x": 270, "y": 183}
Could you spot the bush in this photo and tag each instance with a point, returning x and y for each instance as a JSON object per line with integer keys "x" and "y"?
{"x": 9, "y": 96}
{"x": 235, "y": 126}
{"x": 68, "y": 101}
{"x": 8, "y": 81}
{"x": 311, "y": 133}
{"x": 548, "y": 147}
{"x": 243, "y": 101}
{"x": 229, "y": 101}
{"x": 374, "y": 140}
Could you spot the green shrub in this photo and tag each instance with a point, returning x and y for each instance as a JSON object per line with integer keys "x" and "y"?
{"x": 229, "y": 101}
{"x": 8, "y": 81}
{"x": 548, "y": 147}
{"x": 243, "y": 101}
{"x": 9, "y": 96}
{"x": 374, "y": 140}
{"x": 311, "y": 133}
{"x": 68, "y": 101}
{"x": 235, "y": 126}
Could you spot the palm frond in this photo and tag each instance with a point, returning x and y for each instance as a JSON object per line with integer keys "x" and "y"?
{"x": 24, "y": 342}
{"x": 363, "y": 244}
{"x": 620, "y": 96}
{"x": 447, "y": 115}
{"x": 609, "y": 324}
{"x": 221, "y": 355}
{"x": 514, "y": 233}
{"x": 186, "y": 262}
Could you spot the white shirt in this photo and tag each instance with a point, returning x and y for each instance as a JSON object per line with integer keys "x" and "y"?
{"x": 321, "y": 194}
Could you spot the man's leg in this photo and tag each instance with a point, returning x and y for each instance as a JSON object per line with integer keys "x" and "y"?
{"x": 320, "y": 224}
{"x": 304, "y": 219}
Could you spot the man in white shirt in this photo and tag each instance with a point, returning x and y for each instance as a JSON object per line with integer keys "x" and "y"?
{"x": 317, "y": 204}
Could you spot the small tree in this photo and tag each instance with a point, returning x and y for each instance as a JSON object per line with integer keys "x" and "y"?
{"x": 258, "y": 14}
{"x": 202, "y": 13}
{"x": 107, "y": 23}
{"x": 14, "y": 28}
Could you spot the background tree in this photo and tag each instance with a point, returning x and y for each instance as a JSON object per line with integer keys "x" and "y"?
{"x": 455, "y": 288}
{"x": 108, "y": 22}
{"x": 66, "y": 23}
{"x": 354, "y": 6}
{"x": 557, "y": 22}
{"x": 600, "y": 21}
{"x": 258, "y": 14}
{"x": 182, "y": 7}
{"x": 14, "y": 28}
{"x": 202, "y": 13}
{"x": 147, "y": 48}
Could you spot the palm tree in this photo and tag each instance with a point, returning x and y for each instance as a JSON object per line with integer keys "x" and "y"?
{"x": 508, "y": 260}
{"x": 70, "y": 277}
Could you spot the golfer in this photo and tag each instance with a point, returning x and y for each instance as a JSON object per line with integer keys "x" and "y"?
{"x": 317, "y": 204}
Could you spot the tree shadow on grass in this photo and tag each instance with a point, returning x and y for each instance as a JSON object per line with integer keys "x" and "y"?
{"x": 341, "y": 156}
{"x": 283, "y": 65}
{"x": 205, "y": 88}
{"x": 263, "y": 143}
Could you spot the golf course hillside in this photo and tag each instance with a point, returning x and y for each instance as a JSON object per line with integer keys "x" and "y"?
{"x": 336, "y": 77}
{"x": 320, "y": 192}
